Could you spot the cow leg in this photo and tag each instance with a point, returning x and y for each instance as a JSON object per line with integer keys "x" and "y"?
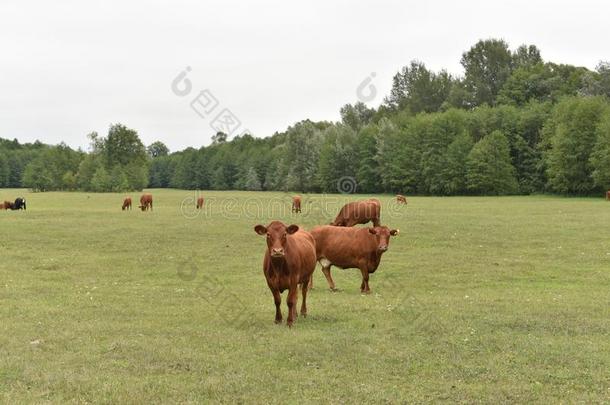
{"x": 293, "y": 293}
{"x": 304, "y": 289}
{"x": 329, "y": 279}
{"x": 277, "y": 297}
{"x": 364, "y": 287}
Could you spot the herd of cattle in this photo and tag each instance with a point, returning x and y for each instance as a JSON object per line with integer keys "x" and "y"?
{"x": 292, "y": 253}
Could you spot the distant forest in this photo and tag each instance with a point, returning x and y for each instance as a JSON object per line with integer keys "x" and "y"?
{"x": 512, "y": 124}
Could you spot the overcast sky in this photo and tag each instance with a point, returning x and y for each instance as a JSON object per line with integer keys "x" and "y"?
{"x": 71, "y": 67}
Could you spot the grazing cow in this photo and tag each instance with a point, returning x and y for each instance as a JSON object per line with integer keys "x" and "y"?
{"x": 199, "y": 203}
{"x": 401, "y": 199}
{"x": 7, "y": 205}
{"x": 359, "y": 212}
{"x": 296, "y": 203}
{"x": 146, "y": 201}
{"x": 290, "y": 260}
{"x": 126, "y": 204}
{"x": 19, "y": 204}
{"x": 351, "y": 248}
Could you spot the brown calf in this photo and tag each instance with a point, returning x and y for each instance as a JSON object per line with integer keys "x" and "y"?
{"x": 296, "y": 203}
{"x": 146, "y": 201}
{"x": 401, "y": 199}
{"x": 126, "y": 204}
{"x": 290, "y": 260}
{"x": 359, "y": 212}
{"x": 199, "y": 203}
{"x": 359, "y": 248}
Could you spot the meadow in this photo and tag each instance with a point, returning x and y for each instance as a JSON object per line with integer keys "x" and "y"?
{"x": 478, "y": 300}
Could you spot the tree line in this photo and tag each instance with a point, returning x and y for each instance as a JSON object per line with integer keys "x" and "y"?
{"x": 512, "y": 124}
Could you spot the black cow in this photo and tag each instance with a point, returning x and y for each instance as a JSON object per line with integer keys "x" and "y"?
{"x": 19, "y": 204}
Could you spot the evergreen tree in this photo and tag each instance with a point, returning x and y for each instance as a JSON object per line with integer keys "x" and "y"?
{"x": 489, "y": 170}
{"x": 455, "y": 170}
{"x": 570, "y": 136}
{"x": 101, "y": 182}
{"x": 600, "y": 158}
{"x": 252, "y": 181}
{"x": 118, "y": 180}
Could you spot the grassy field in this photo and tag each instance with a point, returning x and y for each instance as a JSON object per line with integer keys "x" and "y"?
{"x": 490, "y": 300}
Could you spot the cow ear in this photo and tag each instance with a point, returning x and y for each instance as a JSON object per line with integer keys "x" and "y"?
{"x": 394, "y": 232}
{"x": 373, "y": 231}
{"x": 292, "y": 229}
{"x": 261, "y": 230}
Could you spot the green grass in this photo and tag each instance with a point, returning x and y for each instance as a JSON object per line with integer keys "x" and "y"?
{"x": 477, "y": 300}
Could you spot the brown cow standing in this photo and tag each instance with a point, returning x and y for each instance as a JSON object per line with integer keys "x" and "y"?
{"x": 608, "y": 195}
{"x": 126, "y": 204}
{"x": 200, "y": 203}
{"x": 290, "y": 260}
{"x": 296, "y": 203}
{"x": 401, "y": 199}
{"x": 347, "y": 248}
{"x": 359, "y": 212}
{"x": 146, "y": 201}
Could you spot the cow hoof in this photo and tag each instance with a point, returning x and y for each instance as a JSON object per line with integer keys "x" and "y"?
{"x": 304, "y": 314}
{"x": 278, "y": 321}
{"x": 334, "y": 290}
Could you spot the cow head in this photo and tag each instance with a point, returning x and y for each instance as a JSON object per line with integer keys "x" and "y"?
{"x": 382, "y": 234}
{"x": 142, "y": 207}
{"x": 277, "y": 236}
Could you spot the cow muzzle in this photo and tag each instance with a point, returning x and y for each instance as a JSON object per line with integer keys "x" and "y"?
{"x": 382, "y": 248}
{"x": 277, "y": 252}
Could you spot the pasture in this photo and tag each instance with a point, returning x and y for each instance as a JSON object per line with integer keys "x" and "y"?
{"x": 478, "y": 299}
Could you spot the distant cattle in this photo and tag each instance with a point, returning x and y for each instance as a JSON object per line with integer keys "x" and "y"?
{"x": 19, "y": 204}
{"x": 401, "y": 199}
{"x": 296, "y": 203}
{"x": 608, "y": 195}
{"x": 8, "y": 205}
{"x": 359, "y": 212}
{"x": 146, "y": 202}
{"x": 290, "y": 260}
{"x": 199, "y": 203}
{"x": 359, "y": 248}
{"x": 126, "y": 204}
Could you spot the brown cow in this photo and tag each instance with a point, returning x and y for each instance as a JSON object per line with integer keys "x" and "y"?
{"x": 290, "y": 260}
{"x": 359, "y": 212}
{"x": 608, "y": 195}
{"x": 199, "y": 203}
{"x": 296, "y": 203}
{"x": 146, "y": 201}
{"x": 126, "y": 204}
{"x": 401, "y": 199}
{"x": 351, "y": 248}
{"x": 8, "y": 205}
